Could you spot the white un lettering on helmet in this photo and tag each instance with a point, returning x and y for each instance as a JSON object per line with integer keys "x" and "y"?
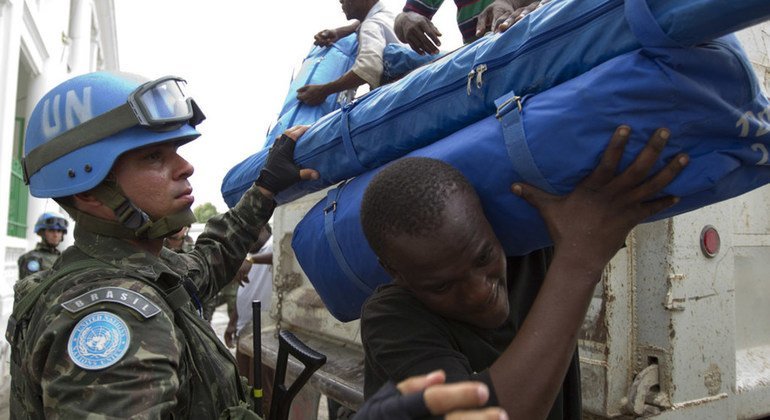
{"x": 75, "y": 108}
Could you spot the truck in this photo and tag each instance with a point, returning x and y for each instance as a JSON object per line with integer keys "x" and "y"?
{"x": 677, "y": 329}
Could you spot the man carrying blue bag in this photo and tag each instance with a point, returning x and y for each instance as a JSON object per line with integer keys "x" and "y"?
{"x": 456, "y": 303}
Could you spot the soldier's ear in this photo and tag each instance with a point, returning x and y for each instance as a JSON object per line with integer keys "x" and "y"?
{"x": 85, "y": 200}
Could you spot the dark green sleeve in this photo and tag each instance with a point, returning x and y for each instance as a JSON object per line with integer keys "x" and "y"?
{"x": 222, "y": 247}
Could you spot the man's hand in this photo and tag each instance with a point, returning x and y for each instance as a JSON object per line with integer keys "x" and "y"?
{"x": 417, "y": 31}
{"x": 421, "y": 396}
{"x": 502, "y": 14}
{"x": 230, "y": 336}
{"x": 242, "y": 276}
{"x": 280, "y": 171}
{"x": 590, "y": 224}
{"x": 326, "y": 37}
{"x": 312, "y": 94}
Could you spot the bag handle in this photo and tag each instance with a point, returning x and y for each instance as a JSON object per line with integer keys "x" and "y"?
{"x": 347, "y": 140}
{"x": 509, "y": 114}
{"x": 645, "y": 27}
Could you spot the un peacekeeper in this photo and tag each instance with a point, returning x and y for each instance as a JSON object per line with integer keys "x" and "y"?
{"x": 114, "y": 329}
{"x": 51, "y": 227}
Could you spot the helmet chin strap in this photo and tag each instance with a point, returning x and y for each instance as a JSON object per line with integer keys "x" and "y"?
{"x": 132, "y": 222}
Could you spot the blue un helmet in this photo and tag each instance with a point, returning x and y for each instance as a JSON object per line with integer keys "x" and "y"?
{"x": 79, "y": 128}
{"x": 51, "y": 221}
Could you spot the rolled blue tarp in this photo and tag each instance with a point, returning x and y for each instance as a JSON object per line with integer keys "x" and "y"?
{"x": 321, "y": 65}
{"x": 558, "y": 42}
{"x": 708, "y": 97}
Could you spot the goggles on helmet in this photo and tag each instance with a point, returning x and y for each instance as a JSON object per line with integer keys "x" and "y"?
{"x": 56, "y": 221}
{"x": 160, "y": 105}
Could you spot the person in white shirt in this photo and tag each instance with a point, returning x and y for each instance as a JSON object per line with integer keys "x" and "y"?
{"x": 374, "y": 32}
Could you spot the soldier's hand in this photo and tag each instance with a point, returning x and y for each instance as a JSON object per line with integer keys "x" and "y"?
{"x": 280, "y": 171}
{"x": 427, "y": 395}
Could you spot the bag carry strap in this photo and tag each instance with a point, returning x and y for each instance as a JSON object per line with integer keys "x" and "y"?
{"x": 644, "y": 26}
{"x": 331, "y": 238}
{"x": 347, "y": 141}
{"x": 509, "y": 114}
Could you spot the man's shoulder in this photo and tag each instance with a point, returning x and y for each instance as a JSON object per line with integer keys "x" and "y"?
{"x": 391, "y": 301}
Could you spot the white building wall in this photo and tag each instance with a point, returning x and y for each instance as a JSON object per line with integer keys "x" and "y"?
{"x": 53, "y": 40}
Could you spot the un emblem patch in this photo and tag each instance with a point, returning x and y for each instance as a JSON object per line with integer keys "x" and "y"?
{"x": 33, "y": 266}
{"x": 98, "y": 341}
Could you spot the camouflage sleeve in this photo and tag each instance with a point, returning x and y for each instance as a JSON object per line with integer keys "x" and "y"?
{"x": 90, "y": 370}
{"x": 28, "y": 264}
{"x": 221, "y": 248}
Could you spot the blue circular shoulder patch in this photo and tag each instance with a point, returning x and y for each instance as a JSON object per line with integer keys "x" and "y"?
{"x": 98, "y": 341}
{"x": 33, "y": 266}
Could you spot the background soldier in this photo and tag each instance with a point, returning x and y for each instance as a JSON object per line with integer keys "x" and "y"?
{"x": 51, "y": 227}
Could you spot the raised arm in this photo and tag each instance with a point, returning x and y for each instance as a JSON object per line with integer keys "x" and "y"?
{"x": 588, "y": 226}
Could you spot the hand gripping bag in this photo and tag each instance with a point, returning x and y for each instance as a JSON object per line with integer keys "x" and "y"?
{"x": 559, "y": 41}
{"x": 707, "y": 96}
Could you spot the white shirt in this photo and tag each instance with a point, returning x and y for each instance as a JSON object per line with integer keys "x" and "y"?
{"x": 259, "y": 287}
{"x": 375, "y": 32}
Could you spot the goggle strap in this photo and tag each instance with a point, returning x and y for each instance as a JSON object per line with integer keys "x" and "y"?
{"x": 85, "y": 134}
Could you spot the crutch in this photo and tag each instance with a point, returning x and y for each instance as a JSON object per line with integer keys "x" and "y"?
{"x": 280, "y": 402}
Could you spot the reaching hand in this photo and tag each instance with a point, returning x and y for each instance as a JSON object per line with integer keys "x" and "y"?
{"x": 427, "y": 395}
{"x": 501, "y": 15}
{"x": 326, "y": 38}
{"x": 417, "y": 31}
{"x": 590, "y": 224}
{"x": 280, "y": 171}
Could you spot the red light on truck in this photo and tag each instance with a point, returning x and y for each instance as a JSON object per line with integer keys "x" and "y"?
{"x": 709, "y": 241}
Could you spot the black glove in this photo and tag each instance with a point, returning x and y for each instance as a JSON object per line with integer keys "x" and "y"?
{"x": 388, "y": 403}
{"x": 280, "y": 171}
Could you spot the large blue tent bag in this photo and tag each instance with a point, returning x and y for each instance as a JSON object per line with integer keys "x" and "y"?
{"x": 707, "y": 96}
{"x": 555, "y": 43}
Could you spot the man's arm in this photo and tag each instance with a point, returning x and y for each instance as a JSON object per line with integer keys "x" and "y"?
{"x": 263, "y": 258}
{"x": 327, "y": 37}
{"x": 316, "y": 94}
{"x": 366, "y": 69}
{"x": 608, "y": 206}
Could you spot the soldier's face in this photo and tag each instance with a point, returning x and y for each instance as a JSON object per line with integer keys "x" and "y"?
{"x": 53, "y": 237}
{"x": 155, "y": 179}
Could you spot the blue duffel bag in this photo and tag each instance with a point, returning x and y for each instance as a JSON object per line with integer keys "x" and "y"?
{"x": 708, "y": 96}
{"x": 321, "y": 65}
{"x": 557, "y": 42}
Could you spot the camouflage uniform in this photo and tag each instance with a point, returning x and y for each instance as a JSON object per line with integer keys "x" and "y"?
{"x": 187, "y": 245}
{"x": 39, "y": 259}
{"x": 174, "y": 364}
